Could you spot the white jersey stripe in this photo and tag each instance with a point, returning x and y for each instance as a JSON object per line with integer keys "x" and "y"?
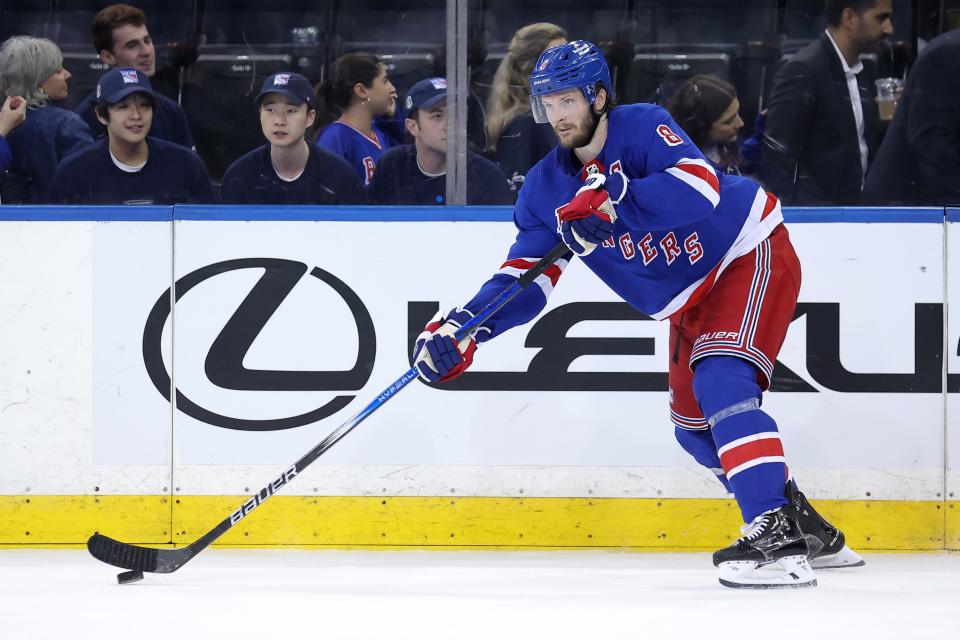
{"x": 543, "y": 280}
{"x": 752, "y": 233}
{"x": 701, "y": 185}
{"x": 733, "y": 444}
{"x": 753, "y": 463}
{"x": 545, "y": 283}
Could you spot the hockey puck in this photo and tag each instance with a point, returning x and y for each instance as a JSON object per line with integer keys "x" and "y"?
{"x": 130, "y": 576}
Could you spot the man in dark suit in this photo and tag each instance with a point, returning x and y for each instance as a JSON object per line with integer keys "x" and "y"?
{"x": 823, "y": 126}
{"x": 919, "y": 161}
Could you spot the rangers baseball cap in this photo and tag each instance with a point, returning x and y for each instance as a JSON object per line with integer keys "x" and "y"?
{"x": 117, "y": 84}
{"x": 425, "y": 94}
{"x": 292, "y": 86}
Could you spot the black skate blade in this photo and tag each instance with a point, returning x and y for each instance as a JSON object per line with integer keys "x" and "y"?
{"x": 737, "y": 585}
{"x": 121, "y": 554}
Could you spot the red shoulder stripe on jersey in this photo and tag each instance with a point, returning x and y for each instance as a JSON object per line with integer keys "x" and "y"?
{"x": 707, "y": 175}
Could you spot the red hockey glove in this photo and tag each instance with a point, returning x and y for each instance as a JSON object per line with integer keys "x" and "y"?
{"x": 436, "y": 354}
{"x": 589, "y": 218}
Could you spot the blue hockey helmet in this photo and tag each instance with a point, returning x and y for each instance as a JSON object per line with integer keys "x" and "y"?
{"x": 574, "y": 65}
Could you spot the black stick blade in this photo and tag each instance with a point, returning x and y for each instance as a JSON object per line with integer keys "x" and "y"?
{"x": 121, "y": 554}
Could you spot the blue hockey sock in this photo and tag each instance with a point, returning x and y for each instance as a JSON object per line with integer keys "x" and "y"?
{"x": 747, "y": 441}
{"x": 699, "y": 443}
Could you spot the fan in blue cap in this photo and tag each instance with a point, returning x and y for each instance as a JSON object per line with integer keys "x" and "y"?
{"x": 129, "y": 166}
{"x": 416, "y": 174}
{"x": 117, "y": 84}
{"x": 288, "y": 169}
{"x": 292, "y": 86}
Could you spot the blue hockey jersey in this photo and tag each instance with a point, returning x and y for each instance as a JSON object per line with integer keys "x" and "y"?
{"x": 355, "y": 147}
{"x": 679, "y": 223}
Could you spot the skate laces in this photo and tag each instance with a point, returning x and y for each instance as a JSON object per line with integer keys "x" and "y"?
{"x": 756, "y": 527}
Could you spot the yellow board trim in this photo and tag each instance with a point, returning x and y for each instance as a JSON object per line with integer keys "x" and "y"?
{"x": 37, "y": 519}
{"x": 437, "y": 522}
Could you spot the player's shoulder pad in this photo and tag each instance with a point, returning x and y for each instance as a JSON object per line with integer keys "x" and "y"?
{"x": 640, "y": 113}
{"x": 549, "y": 162}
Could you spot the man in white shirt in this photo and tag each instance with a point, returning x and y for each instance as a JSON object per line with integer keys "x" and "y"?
{"x": 823, "y": 125}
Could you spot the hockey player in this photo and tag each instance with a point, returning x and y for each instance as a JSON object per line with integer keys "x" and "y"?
{"x": 629, "y": 193}
{"x": 356, "y": 91}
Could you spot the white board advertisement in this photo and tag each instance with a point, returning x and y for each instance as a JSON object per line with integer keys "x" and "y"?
{"x": 283, "y": 330}
{"x": 953, "y": 358}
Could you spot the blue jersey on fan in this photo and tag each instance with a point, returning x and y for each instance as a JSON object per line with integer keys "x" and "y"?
{"x": 354, "y": 146}
{"x": 679, "y": 224}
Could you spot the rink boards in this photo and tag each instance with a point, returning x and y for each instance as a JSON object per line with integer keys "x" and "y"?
{"x": 285, "y": 322}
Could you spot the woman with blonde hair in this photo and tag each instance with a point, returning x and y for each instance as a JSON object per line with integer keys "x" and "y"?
{"x": 514, "y": 139}
{"x": 33, "y": 68}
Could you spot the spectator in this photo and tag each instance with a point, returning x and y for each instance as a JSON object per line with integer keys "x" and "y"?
{"x": 127, "y": 167}
{"x": 919, "y": 161}
{"x": 12, "y": 114}
{"x": 121, "y": 39}
{"x": 707, "y": 108}
{"x": 33, "y": 68}
{"x": 515, "y": 141}
{"x": 356, "y": 91}
{"x": 288, "y": 169}
{"x": 823, "y": 124}
{"x": 417, "y": 173}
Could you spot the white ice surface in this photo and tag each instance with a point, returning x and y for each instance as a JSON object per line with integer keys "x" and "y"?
{"x": 454, "y": 595}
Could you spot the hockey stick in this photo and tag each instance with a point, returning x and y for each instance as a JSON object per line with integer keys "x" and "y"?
{"x": 139, "y": 559}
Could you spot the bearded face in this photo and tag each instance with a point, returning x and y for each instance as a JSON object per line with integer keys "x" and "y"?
{"x": 572, "y": 117}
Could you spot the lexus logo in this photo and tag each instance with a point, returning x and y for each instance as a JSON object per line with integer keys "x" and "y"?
{"x": 224, "y": 366}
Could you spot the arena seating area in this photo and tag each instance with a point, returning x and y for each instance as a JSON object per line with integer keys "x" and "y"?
{"x": 212, "y": 55}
